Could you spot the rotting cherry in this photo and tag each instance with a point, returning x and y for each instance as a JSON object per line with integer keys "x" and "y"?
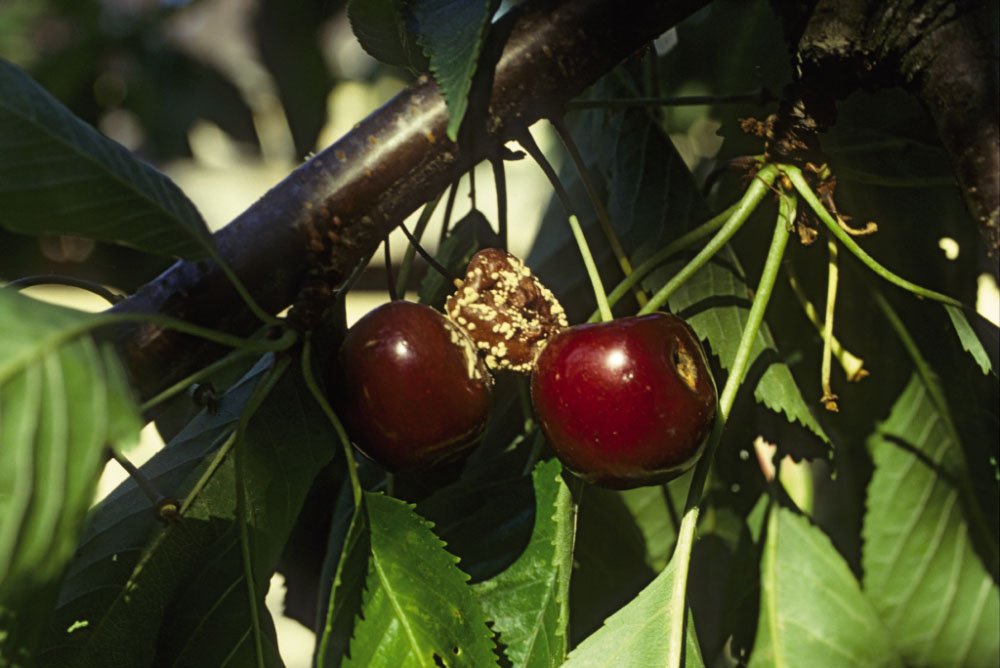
{"x": 410, "y": 387}
{"x": 625, "y": 403}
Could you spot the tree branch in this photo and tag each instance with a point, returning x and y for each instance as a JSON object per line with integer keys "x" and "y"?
{"x": 942, "y": 51}
{"x": 334, "y": 210}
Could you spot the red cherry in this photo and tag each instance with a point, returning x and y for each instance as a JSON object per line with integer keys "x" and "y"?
{"x": 412, "y": 391}
{"x": 625, "y": 403}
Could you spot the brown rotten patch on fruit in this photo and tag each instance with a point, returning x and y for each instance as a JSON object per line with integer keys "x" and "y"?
{"x": 505, "y": 310}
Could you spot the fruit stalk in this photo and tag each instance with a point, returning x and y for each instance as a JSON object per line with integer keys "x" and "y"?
{"x": 754, "y": 194}
{"x": 685, "y": 537}
{"x": 595, "y": 277}
{"x": 802, "y": 186}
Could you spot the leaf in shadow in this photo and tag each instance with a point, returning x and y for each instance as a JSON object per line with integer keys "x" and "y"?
{"x": 177, "y": 595}
{"x": 61, "y": 176}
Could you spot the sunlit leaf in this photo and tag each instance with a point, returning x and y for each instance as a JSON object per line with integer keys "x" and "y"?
{"x": 967, "y": 336}
{"x": 63, "y": 400}
{"x": 636, "y": 635}
{"x": 812, "y": 611}
{"x": 527, "y": 602}
{"x": 418, "y": 609}
{"x": 58, "y": 175}
{"x": 921, "y": 570}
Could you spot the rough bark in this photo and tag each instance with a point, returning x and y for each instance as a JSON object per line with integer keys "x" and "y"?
{"x": 942, "y": 51}
{"x": 335, "y": 209}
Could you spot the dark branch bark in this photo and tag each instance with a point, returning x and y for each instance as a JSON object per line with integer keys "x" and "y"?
{"x": 942, "y": 51}
{"x": 334, "y": 210}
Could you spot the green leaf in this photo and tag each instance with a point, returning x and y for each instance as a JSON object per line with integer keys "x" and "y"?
{"x": 58, "y": 175}
{"x": 967, "y": 336}
{"x": 418, "y": 609}
{"x": 180, "y": 597}
{"x": 636, "y": 635}
{"x": 528, "y": 602}
{"x": 63, "y": 400}
{"x": 452, "y": 33}
{"x": 722, "y": 325}
{"x": 812, "y": 611}
{"x": 921, "y": 570}
{"x": 382, "y": 30}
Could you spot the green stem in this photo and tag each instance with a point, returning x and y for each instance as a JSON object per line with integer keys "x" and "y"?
{"x": 829, "y": 398}
{"x": 197, "y": 376}
{"x": 852, "y": 364}
{"x": 595, "y": 278}
{"x": 802, "y": 186}
{"x": 71, "y": 281}
{"x": 153, "y": 494}
{"x": 754, "y": 194}
{"x": 685, "y": 537}
{"x": 345, "y": 442}
{"x": 663, "y": 255}
{"x": 603, "y": 219}
{"x": 241, "y": 289}
{"x": 257, "y": 345}
{"x": 403, "y": 277}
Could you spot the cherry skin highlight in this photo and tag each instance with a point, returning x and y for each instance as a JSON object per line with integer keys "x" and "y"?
{"x": 411, "y": 390}
{"x": 625, "y": 403}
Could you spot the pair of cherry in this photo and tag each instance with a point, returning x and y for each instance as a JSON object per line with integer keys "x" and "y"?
{"x": 623, "y": 403}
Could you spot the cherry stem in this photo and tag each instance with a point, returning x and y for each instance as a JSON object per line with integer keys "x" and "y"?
{"x": 241, "y": 289}
{"x": 71, "y": 281}
{"x": 448, "y": 207}
{"x": 663, "y": 255}
{"x": 737, "y": 371}
{"x": 435, "y": 265}
{"x": 148, "y": 489}
{"x": 196, "y": 377}
{"x": 390, "y": 285}
{"x": 852, "y": 364}
{"x": 259, "y": 345}
{"x": 754, "y": 194}
{"x": 528, "y": 143}
{"x": 403, "y": 277}
{"x": 595, "y": 277}
{"x": 802, "y": 186}
{"x": 500, "y": 179}
{"x": 603, "y": 219}
{"x": 345, "y": 442}
{"x": 829, "y": 398}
